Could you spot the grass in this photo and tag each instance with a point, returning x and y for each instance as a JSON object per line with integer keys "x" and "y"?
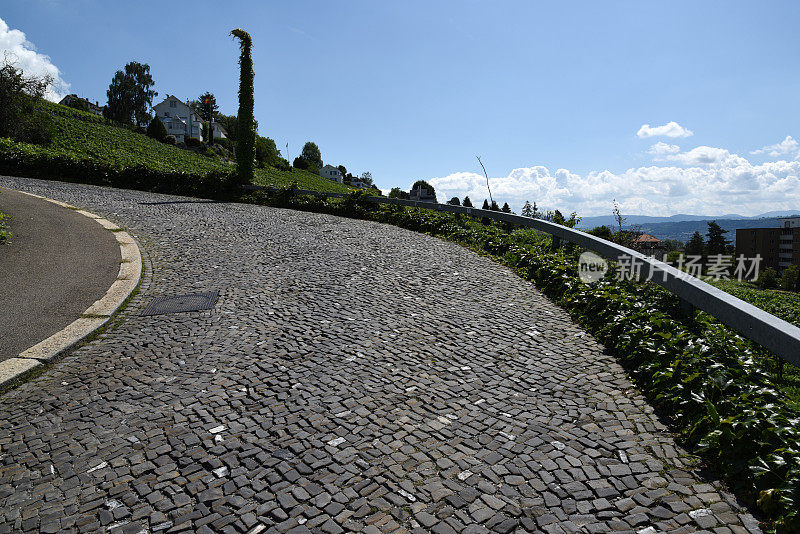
{"x": 781, "y": 304}
{"x": 83, "y": 135}
{"x": 5, "y": 235}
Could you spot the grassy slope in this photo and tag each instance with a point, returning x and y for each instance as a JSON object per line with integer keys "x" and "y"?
{"x": 81, "y": 134}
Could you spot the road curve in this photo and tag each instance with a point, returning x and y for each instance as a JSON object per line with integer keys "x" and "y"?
{"x": 352, "y": 376}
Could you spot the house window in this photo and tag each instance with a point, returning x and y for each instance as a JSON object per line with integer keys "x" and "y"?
{"x": 172, "y": 104}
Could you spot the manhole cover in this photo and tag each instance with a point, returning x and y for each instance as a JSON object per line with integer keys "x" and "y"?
{"x": 181, "y": 303}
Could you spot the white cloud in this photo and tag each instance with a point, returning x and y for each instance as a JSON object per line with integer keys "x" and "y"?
{"x": 704, "y": 180}
{"x": 22, "y": 53}
{"x": 787, "y": 146}
{"x": 702, "y": 155}
{"x": 671, "y": 129}
{"x": 661, "y": 149}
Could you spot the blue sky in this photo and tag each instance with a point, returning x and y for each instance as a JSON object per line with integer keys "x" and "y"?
{"x": 550, "y": 95}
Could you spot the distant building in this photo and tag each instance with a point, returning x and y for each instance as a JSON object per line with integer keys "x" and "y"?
{"x": 219, "y": 131}
{"x": 179, "y": 119}
{"x": 422, "y": 194}
{"x": 650, "y": 246}
{"x": 778, "y": 247}
{"x": 95, "y": 108}
{"x": 331, "y": 173}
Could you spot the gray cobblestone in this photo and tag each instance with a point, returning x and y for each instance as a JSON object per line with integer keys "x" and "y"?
{"x": 346, "y": 368}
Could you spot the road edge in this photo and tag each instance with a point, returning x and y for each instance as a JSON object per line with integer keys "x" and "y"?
{"x": 16, "y": 369}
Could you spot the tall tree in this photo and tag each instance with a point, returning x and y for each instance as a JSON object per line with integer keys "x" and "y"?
{"x": 198, "y": 107}
{"x": 695, "y": 245}
{"x": 485, "y": 204}
{"x": 366, "y": 177}
{"x": 527, "y": 209}
{"x": 246, "y": 134}
{"x": 506, "y": 208}
{"x": 536, "y": 214}
{"x": 130, "y": 95}
{"x": 454, "y": 201}
{"x": 312, "y": 155}
{"x": 342, "y": 169}
{"x": 467, "y": 203}
{"x": 716, "y": 243}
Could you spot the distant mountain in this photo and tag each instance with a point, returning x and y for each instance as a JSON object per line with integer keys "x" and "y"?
{"x": 766, "y": 220}
{"x": 683, "y": 230}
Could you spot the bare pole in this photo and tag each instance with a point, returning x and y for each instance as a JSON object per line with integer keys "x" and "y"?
{"x": 487, "y": 181}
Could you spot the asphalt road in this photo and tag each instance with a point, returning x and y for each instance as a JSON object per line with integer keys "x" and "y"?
{"x": 58, "y": 263}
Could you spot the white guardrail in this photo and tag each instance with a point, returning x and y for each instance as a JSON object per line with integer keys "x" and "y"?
{"x": 770, "y": 332}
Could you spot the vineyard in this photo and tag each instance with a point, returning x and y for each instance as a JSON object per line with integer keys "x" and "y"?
{"x": 83, "y": 137}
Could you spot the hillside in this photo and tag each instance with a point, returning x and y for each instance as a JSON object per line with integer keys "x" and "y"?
{"x": 683, "y": 230}
{"x": 83, "y": 135}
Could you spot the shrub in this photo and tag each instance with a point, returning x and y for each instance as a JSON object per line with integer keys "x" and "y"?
{"x": 789, "y": 279}
{"x": 768, "y": 279}
{"x": 300, "y": 163}
{"x": 170, "y": 140}
{"x": 225, "y": 143}
{"x": 603, "y": 232}
{"x": 156, "y": 129}
{"x": 193, "y": 142}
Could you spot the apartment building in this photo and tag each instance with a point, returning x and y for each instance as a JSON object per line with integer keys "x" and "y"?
{"x": 778, "y": 247}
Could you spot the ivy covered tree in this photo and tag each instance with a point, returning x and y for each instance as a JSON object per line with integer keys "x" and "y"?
{"x": 246, "y": 126}
{"x": 130, "y": 95}
{"x": 467, "y": 203}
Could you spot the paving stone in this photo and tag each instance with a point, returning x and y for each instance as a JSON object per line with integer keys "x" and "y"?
{"x": 351, "y": 375}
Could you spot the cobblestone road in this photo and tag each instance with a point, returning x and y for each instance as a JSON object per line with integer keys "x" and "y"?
{"x": 352, "y": 377}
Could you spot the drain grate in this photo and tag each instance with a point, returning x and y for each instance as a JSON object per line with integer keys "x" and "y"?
{"x": 181, "y": 303}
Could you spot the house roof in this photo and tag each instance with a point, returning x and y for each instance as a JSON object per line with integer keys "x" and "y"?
{"x": 646, "y": 239}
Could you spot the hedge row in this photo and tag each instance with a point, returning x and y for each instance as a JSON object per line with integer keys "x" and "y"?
{"x": 720, "y": 403}
{"x": 18, "y": 162}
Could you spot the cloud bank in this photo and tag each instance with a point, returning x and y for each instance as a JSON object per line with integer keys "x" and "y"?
{"x": 15, "y": 48}
{"x": 704, "y": 180}
{"x": 671, "y": 129}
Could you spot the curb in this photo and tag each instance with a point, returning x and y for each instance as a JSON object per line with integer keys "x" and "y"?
{"x": 96, "y": 316}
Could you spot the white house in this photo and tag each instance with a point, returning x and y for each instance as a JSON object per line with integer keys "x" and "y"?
{"x": 331, "y": 173}
{"x": 219, "y": 131}
{"x": 179, "y": 119}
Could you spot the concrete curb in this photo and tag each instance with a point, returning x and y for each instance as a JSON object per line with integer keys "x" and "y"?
{"x": 97, "y": 315}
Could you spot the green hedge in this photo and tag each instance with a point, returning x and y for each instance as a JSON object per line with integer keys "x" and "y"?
{"x": 702, "y": 376}
{"x": 16, "y": 160}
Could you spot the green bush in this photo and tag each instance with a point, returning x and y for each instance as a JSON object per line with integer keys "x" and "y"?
{"x": 193, "y": 142}
{"x": 789, "y": 278}
{"x": 156, "y": 130}
{"x": 227, "y": 144}
{"x": 768, "y": 279}
{"x": 170, "y": 140}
